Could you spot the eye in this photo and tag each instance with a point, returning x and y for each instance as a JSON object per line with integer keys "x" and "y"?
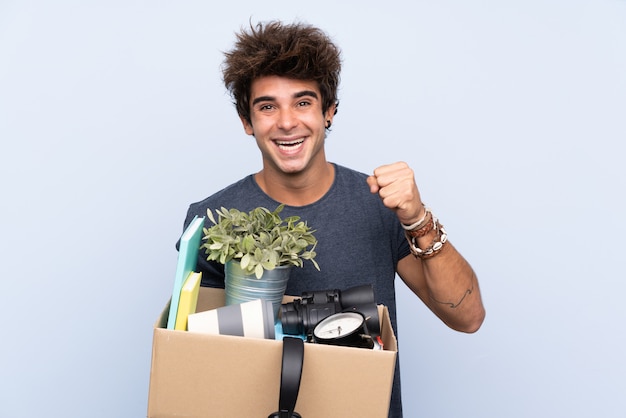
{"x": 304, "y": 103}
{"x": 265, "y": 108}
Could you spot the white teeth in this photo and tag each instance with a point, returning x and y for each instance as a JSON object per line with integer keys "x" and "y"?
{"x": 292, "y": 146}
{"x": 289, "y": 143}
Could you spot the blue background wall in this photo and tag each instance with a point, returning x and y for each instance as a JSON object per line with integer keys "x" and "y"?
{"x": 113, "y": 119}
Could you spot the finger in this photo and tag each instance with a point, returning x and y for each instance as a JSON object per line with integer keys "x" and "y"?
{"x": 388, "y": 174}
{"x": 373, "y": 183}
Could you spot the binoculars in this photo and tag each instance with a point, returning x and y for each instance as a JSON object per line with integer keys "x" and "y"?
{"x": 302, "y": 315}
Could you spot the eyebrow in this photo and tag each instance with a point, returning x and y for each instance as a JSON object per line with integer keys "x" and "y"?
{"x": 297, "y": 95}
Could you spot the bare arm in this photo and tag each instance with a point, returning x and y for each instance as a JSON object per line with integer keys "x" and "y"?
{"x": 445, "y": 282}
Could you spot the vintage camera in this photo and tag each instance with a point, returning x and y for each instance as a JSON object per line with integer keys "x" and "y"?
{"x": 302, "y": 315}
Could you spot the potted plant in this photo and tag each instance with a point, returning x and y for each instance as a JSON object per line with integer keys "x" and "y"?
{"x": 257, "y": 246}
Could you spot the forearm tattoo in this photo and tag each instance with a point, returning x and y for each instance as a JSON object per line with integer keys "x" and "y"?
{"x": 453, "y": 305}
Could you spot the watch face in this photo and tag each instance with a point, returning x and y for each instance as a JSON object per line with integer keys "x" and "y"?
{"x": 338, "y": 325}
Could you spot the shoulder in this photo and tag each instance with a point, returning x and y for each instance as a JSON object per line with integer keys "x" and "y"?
{"x": 231, "y": 192}
{"x": 230, "y": 196}
{"x": 350, "y": 181}
{"x": 349, "y": 173}
{"x": 352, "y": 185}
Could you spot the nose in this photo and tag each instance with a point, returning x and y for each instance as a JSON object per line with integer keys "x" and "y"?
{"x": 287, "y": 119}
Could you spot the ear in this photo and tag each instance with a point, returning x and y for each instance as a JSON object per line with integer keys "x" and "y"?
{"x": 247, "y": 126}
{"x": 330, "y": 113}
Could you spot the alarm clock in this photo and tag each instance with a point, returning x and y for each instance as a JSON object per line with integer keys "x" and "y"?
{"x": 343, "y": 328}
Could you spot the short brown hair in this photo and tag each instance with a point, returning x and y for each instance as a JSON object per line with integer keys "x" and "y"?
{"x": 298, "y": 51}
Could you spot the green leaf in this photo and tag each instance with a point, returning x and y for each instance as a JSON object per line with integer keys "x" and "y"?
{"x": 268, "y": 265}
{"x": 247, "y": 243}
{"x": 258, "y": 271}
{"x": 209, "y": 213}
{"x": 261, "y": 236}
{"x": 245, "y": 261}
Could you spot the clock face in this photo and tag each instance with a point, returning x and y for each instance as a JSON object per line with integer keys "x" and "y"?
{"x": 338, "y": 325}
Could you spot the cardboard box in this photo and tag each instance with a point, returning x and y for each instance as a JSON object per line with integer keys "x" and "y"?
{"x": 201, "y": 375}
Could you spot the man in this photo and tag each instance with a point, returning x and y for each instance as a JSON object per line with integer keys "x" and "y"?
{"x": 284, "y": 81}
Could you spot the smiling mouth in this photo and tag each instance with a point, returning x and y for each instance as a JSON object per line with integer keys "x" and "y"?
{"x": 289, "y": 145}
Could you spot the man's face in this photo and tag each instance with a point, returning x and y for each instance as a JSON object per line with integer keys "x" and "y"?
{"x": 288, "y": 123}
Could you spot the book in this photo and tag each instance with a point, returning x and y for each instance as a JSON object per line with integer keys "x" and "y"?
{"x": 186, "y": 263}
{"x": 188, "y": 300}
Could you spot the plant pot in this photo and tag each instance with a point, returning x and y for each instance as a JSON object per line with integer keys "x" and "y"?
{"x": 242, "y": 287}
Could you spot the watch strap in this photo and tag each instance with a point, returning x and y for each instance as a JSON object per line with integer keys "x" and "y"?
{"x": 291, "y": 374}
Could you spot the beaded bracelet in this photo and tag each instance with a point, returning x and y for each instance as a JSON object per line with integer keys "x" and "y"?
{"x": 435, "y": 247}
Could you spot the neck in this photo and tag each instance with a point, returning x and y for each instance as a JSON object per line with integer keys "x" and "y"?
{"x": 298, "y": 189}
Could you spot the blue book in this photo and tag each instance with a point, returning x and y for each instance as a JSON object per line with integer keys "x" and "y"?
{"x": 187, "y": 261}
